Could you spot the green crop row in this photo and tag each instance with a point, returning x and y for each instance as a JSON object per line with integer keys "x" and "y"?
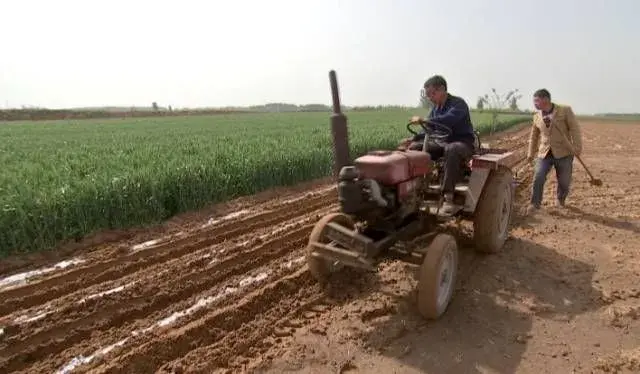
{"x": 61, "y": 180}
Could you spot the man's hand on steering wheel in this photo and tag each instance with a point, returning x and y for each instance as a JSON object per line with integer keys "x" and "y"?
{"x": 436, "y": 130}
{"x": 417, "y": 120}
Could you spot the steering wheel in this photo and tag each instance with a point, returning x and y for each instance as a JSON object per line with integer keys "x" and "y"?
{"x": 428, "y": 130}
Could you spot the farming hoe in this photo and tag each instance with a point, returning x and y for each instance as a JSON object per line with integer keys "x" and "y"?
{"x": 392, "y": 196}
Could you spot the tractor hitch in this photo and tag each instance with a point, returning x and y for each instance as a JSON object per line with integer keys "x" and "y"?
{"x": 355, "y": 249}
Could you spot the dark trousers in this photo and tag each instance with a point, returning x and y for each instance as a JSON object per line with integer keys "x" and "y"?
{"x": 564, "y": 171}
{"x": 454, "y": 153}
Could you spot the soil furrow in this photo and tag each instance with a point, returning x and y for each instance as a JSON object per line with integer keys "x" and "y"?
{"x": 80, "y": 303}
{"x": 281, "y": 295}
{"x": 257, "y": 336}
{"x": 147, "y": 301}
{"x": 42, "y": 291}
{"x": 279, "y": 322}
{"x": 229, "y": 292}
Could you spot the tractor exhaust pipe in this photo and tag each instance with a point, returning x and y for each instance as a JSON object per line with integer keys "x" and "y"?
{"x": 339, "y": 130}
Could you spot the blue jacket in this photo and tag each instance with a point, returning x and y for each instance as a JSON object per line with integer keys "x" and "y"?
{"x": 454, "y": 114}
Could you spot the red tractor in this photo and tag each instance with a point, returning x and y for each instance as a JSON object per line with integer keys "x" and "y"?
{"x": 392, "y": 196}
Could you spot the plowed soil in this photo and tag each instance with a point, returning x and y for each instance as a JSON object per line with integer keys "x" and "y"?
{"x": 230, "y": 292}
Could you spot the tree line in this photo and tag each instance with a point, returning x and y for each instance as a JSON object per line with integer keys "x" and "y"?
{"x": 494, "y": 103}
{"x": 155, "y": 110}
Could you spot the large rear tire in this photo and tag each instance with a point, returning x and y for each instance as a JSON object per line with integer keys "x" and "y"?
{"x": 319, "y": 268}
{"x": 438, "y": 275}
{"x": 494, "y": 211}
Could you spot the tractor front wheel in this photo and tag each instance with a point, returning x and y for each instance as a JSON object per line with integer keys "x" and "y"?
{"x": 320, "y": 268}
{"x": 438, "y": 275}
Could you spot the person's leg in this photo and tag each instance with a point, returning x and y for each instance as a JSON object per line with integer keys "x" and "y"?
{"x": 543, "y": 166}
{"x": 454, "y": 154}
{"x": 564, "y": 172}
{"x": 435, "y": 150}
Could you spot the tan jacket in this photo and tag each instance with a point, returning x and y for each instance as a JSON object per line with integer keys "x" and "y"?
{"x": 543, "y": 138}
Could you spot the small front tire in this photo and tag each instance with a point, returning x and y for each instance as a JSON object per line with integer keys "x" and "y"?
{"x": 438, "y": 275}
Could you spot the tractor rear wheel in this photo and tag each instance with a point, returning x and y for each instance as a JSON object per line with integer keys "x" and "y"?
{"x": 438, "y": 275}
{"x": 493, "y": 212}
{"x": 319, "y": 268}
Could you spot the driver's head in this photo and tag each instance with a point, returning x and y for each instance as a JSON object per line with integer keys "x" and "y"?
{"x": 435, "y": 89}
{"x": 542, "y": 99}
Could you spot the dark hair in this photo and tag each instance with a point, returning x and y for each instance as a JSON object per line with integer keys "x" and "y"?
{"x": 542, "y": 93}
{"x": 436, "y": 81}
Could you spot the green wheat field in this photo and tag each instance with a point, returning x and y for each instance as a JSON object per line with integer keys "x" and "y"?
{"x": 61, "y": 180}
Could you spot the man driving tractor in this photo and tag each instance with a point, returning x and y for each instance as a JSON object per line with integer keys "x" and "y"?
{"x": 456, "y": 145}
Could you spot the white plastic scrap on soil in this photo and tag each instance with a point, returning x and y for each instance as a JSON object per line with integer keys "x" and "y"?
{"x": 81, "y": 360}
{"x": 225, "y": 249}
{"x": 295, "y": 261}
{"x": 306, "y": 196}
{"x": 286, "y": 227}
{"x": 214, "y": 221}
{"x": 23, "y": 278}
{"x": 200, "y": 304}
{"x": 154, "y": 242}
{"x": 43, "y": 312}
{"x": 107, "y": 292}
{"x": 148, "y": 244}
{"x": 26, "y": 319}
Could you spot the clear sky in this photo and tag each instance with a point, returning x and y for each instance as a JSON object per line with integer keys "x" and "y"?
{"x": 65, "y": 53}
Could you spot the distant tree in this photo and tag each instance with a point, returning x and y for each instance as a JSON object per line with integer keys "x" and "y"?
{"x": 155, "y": 106}
{"x": 513, "y": 104}
{"x": 480, "y": 104}
{"x": 497, "y": 103}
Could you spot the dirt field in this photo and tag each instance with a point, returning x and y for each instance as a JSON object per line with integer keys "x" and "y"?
{"x": 232, "y": 293}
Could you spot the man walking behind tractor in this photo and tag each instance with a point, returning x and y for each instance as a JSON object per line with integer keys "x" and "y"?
{"x": 550, "y": 122}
